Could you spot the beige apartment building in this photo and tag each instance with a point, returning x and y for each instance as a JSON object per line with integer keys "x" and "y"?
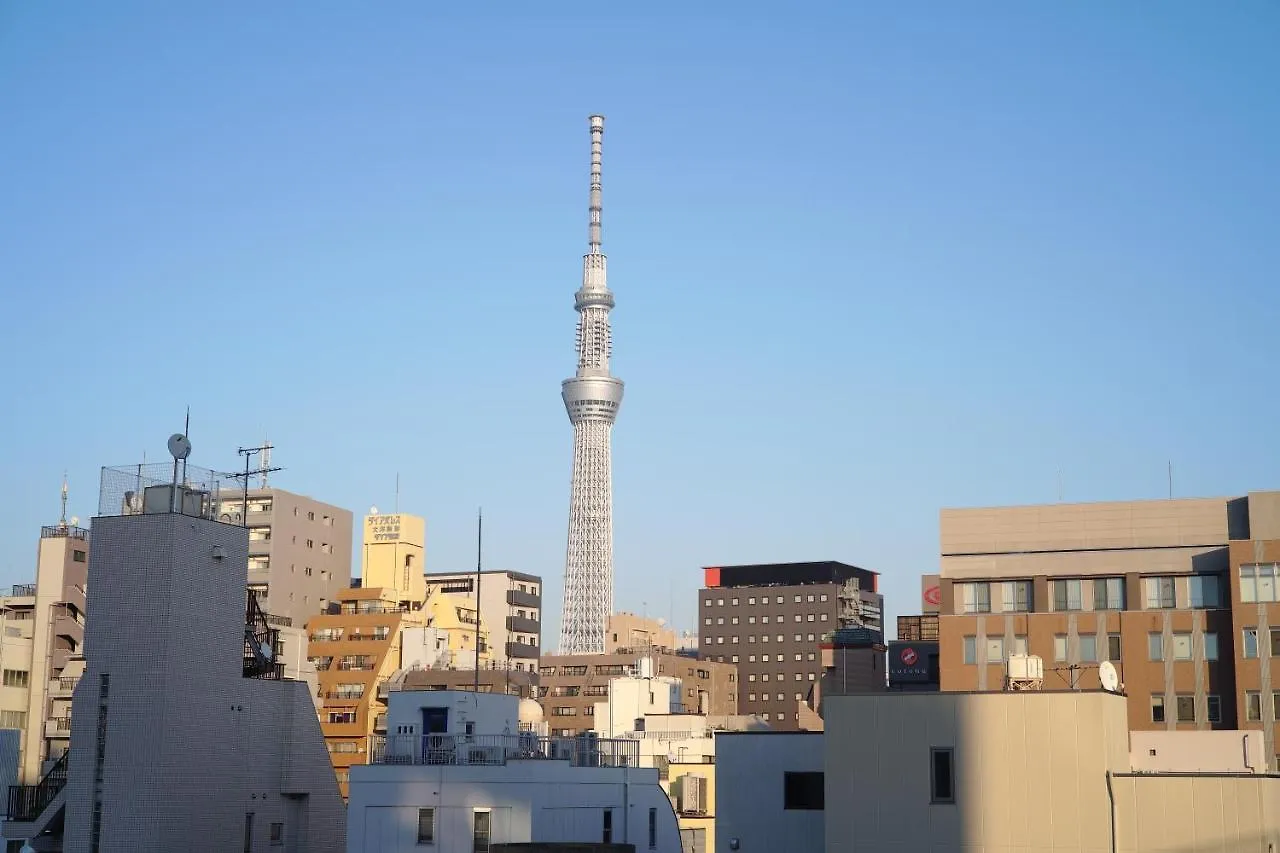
{"x": 299, "y": 550}
{"x": 41, "y": 654}
{"x": 1030, "y": 771}
{"x": 627, "y": 631}
{"x": 1179, "y": 594}
{"x": 510, "y": 612}
{"x": 571, "y": 685}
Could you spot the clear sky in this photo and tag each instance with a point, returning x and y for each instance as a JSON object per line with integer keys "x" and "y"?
{"x": 869, "y": 262}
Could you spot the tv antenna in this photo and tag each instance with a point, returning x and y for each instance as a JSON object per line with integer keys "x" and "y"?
{"x": 250, "y": 472}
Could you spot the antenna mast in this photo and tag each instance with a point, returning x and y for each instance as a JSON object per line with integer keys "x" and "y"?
{"x": 266, "y": 461}
{"x": 262, "y": 471}
{"x": 479, "y": 551}
{"x": 62, "y": 522}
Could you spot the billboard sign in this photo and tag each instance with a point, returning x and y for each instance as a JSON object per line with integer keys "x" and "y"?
{"x": 930, "y": 593}
{"x": 913, "y": 663}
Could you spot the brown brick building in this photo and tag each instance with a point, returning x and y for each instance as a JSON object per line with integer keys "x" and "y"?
{"x": 769, "y": 620}
{"x": 570, "y": 685}
{"x": 1179, "y": 594}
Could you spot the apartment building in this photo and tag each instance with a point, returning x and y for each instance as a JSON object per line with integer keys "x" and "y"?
{"x": 510, "y": 607}
{"x": 571, "y": 685}
{"x": 768, "y": 621}
{"x": 1176, "y": 593}
{"x": 631, "y": 631}
{"x": 43, "y": 632}
{"x": 299, "y": 549}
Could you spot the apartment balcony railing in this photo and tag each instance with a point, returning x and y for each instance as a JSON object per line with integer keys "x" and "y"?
{"x": 26, "y": 802}
{"x": 60, "y": 688}
{"x": 516, "y": 598}
{"x": 521, "y": 650}
{"x": 279, "y": 621}
{"x": 498, "y": 750}
{"x": 523, "y": 625}
{"x": 23, "y": 589}
{"x": 355, "y": 667}
{"x": 61, "y": 531}
{"x": 343, "y": 697}
{"x": 367, "y": 637}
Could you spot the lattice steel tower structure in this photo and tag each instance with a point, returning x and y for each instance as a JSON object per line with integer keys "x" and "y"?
{"x": 592, "y": 398}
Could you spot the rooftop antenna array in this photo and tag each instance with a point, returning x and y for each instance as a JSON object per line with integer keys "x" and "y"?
{"x": 266, "y": 463}
{"x": 250, "y": 472}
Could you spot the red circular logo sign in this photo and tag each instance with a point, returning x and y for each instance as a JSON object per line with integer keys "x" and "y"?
{"x": 909, "y": 656}
{"x": 933, "y": 595}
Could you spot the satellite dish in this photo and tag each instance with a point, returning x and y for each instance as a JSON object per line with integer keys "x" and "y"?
{"x": 75, "y": 519}
{"x": 1107, "y": 674}
{"x": 373, "y": 510}
{"x": 179, "y": 446}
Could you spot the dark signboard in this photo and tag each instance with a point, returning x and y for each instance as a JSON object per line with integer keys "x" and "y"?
{"x": 913, "y": 663}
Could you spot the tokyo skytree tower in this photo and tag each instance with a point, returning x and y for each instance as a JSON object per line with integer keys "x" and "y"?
{"x": 592, "y": 398}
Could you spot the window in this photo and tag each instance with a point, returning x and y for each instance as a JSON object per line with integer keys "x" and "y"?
{"x": 1158, "y": 592}
{"x": 480, "y": 832}
{"x": 822, "y": 597}
{"x": 1253, "y": 705}
{"x": 733, "y": 658}
{"x": 1088, "y": 647}
{"x": 781, "y": 697}
{"x": 734, "y": 602}
{"x": 1066, "y": 595}
{"x": 1108, "y": 593}
{"x": 810, "y": 638}
{"x": 277, "y": 834}
{"x": 1019, "y": 644}
{"x": 13, "y": 719}
{"x": 606, "y": 834}
{"x": 1015, "y": 596}
{"x": 1258, "y": 582}
{"x": 1060, "y": 647}
{"x": 1275, "y": 642}
{"x": 764, "y": 658}
{"x": 810, "y": 598}
{"x": 1155, "y": 646}
{"x": 1214, "y": 708}
{"x": 995, "y": 649}
{"x": 1186, "y": 709}
{"x": 798, "y": 617}
{"x": 1157, "y": 709}
{"x": 822, "y": 618}
{"x": 1275, "y": 706}
{"x": 653, "y": 829}
{"x": 942, "y": 776}
{"x": 970, "y": 649}
{"x": 809, "y": 617}
{"x": 78, "y": 556}
{"x": 16, "y": 678}
{"x": 1206, "y": 591}
{"x": 802, "y": 791}
{"x": 811, "y": 656}
{"x": 779, "y": 599}
{"x": 798, "y": 638}
{"x": 1113, "y": 647}
{"x": 1182, "y": 647}
{"x": 751, "y": 697}
{"x": 720, "y": 620}
{"x": 764, "y": 620}
{"x": 780, "y": 638}
{"x": 733, "y": 620}
{"x": 975, "y": 597}
{"x": 1250, "y": 646}
{"x": 1211, "y": 646}
{"x": 719, "y": 602}
{"x": 751, "y": 600}
{"x": 796, "y": 600}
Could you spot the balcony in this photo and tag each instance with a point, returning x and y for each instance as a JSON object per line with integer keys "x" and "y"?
{"x": 499, "y": 750}
{"x": 62, "y": 688}
{"x": 523, "y": 625}
{"x": 516, "y": 598}
{"x": 343, "y": 696}
{"x": 522, "y": 650}
{"x": 58, "y": 727}
{"x": 23, "y": 590}
{"x": 380, "y": 724}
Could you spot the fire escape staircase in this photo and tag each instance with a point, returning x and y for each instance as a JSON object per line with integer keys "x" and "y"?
{"x": 260, "y": 644}
{"x": 42, "y": 807}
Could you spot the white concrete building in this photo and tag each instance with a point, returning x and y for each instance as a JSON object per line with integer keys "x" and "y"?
{"x": 510, "y": 607}
{"x": 459, "y": 771}
{"x": 182, "y": 735}
{"x": 770, "y": 796}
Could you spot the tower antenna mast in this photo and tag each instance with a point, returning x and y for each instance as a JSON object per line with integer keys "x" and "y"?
{"x": 249, "y": 473}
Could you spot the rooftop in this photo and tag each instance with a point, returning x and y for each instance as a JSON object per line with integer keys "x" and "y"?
{"x": 788, "y": 574}
{"x": 501, "y": 749}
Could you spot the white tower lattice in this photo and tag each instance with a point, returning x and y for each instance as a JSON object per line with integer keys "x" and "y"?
{"x": 592, "y": 399}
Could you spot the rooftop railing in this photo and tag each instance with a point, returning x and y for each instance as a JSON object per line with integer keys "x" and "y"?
{"x": 60, "y": 531}
{"x": 498, "y": 750}
{"x": 22, "y": 589}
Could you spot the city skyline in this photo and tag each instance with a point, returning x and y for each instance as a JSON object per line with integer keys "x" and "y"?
{"x": 903, "y": 262}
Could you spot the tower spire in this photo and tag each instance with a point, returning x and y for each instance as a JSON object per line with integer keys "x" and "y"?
{"x": 592, "y": 398}
{"x": 62, "y": 522}
{"x": 597, "y": 145}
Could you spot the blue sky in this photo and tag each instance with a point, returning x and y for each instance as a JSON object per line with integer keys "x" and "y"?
{"x": 869, "y": 262}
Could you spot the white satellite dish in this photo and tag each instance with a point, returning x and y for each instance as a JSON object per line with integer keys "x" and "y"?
{"x": 1107, "y": 675}
{"x": 179, "y": 446}
{"x": 373, "y": 510}
{"x": 75, "y": 519}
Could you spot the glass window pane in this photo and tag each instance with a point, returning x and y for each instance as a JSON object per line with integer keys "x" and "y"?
{"x": 1253, "y": 706}
{"x": 1157, "y": 709}
{"x": 1211, "y": 646}
{"x": 970, "y": 650}
{"x": 1059, "y": 648}
{"x": 1251, "y": 642}
{"x": 1182, "y": 647}
{"x": 1214, "y": 707}
{"x": 1266, "y": 587}
{"x": 1155, "y": 646}
{"x": 995, "y": 649}
{"x": 1088, "y": 647}
{"x": 1186, "y": 709}
{"x": 1113, "y": 647}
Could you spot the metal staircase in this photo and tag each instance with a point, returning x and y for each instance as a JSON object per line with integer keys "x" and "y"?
{"x": 260, "y": 643}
